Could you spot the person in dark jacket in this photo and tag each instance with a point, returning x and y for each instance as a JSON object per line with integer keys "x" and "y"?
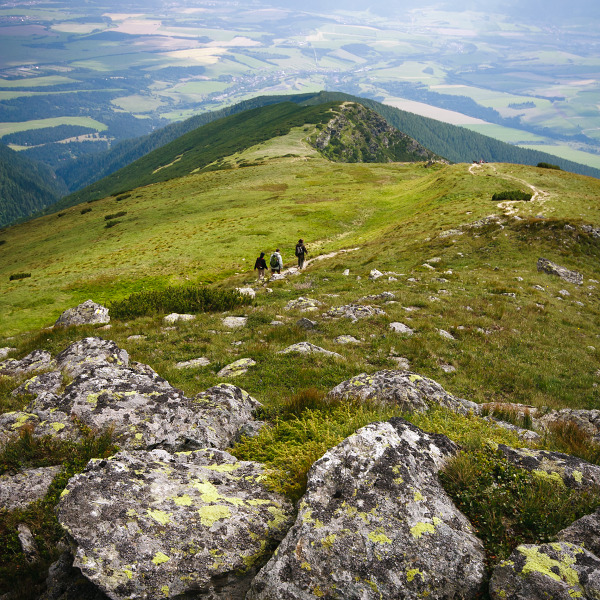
{"x": 260, "y": 265}
{"x": 301, "y": 252}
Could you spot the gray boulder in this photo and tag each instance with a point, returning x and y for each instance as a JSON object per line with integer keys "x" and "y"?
{"x": 354, "y": 312}
{"x": 38, "y": 360}
{"x": 308, "y": 348}
{"x": 88, "y": 313}
{"x": 560, "y": 571}
{"x": 40, "y": 384}
{"x": 20, "y": 490}
{"x": 89, "y": 353}
{"x": 571, "y": 471}
{"x": 48, "y": 421}
{"x": 236, "y": 368}
{"x": 584, "y": 532}
{"x": 546, "y": 266}
{"x": 375, "y": 523}
{"x": 406, "y": 389}
{"x": 155, "y": 525}
{"x": 303, "y": 304}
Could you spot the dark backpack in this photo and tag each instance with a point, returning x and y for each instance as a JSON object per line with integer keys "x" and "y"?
{"x": 274, "y": 261}
{"x": 299, "y": 250}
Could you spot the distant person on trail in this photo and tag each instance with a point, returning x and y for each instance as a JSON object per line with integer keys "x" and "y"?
{"x": 260, "y": 265}
{"x": 301, "y": 252}
{"x": 276, "y": 262}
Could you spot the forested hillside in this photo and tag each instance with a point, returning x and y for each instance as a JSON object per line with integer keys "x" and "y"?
{"x": 26, "y": 187}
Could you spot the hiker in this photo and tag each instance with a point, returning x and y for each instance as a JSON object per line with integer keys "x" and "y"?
{"x": 260, "y": 265}
{"x": 301, "y": 252}
{"x": 276, "y": 262}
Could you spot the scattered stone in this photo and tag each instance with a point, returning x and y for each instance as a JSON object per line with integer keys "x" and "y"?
{"x": 539, "y": 287}
{"x": 88, "y": 313}
{"x": 28, "y": 545}
{"x": 20, "y": 490}
{"x": 194, "y": 363}
{"x": 446, "y": 334}
{"x": 354, "y": 312}
{"x": 308, "y": 348}
{"x": 277, "y": 277}
{"x": 142, "y": 523}
{"x": 303, "y": 304}
{"x": 305, "y": 323}
{"x": 38, "y": 360}
{"x": 390, "y": 278}
{"x": 386, "y": 296}
{"x": 277, "y": 323}
{"x": 564, "y": 293}
{"x": 375, "y": 274}
{"x": 136, "y": 338}
{"x": 410, "y": 308}
{"x": 551, "y": 268}
{"x": 237, "y": 343}
{"x": 408, "y": 390}
{"x": 346, "y": 272}
{"x": 559, "y": 570}
{"x": 584, "y": 532}
{"x": 509, "y": 294}
{"x": 237, "y": 368}
{"x": 556, "y": 466}
{"x": 175, "y": 318}
{"x": 447, "y": 368}
{"x": 268, "y": 290}
{"x": 430, "y": 267}
{"x": 434, "y": 260}
{"x": 346, "y": 339}
{"x": 375, "y": 523}
{"x": 401, "y": 328}
{"x": 449, "y": 233}
{"x": 4, "y": 352}
{"x": 235, "y": 322}
{"x": 595, "y": 231}
{"x": 402, "y": 362}
{"x": 246, "y": 291}
{"x": 433, "y": 299}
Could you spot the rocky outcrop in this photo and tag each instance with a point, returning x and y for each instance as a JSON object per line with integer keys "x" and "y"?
{"x": 405, "y": 389}
{"x": 587, "y": 421}
{"x": 38, "y": 360}
{"x": 303, "y": 304}
{"x": 560, "y": 571}
{"x": 308, "y": 348}
{"x": 17, "y": 491}
{"x": 551, "y": 268}
{"x": 562, "y": 468}
{"x": 354, "y": 312}
{"x": 584, "y": 532}
{"x": 237, "y": 368}
{"x": 88, "y": 313}
{"x": 143, "y": 410}
{"x": 375, "y": 523}
{"x": 158, "y": 525}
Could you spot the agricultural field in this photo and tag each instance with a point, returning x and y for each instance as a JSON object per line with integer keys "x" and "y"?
{"x": 133, "y": 69}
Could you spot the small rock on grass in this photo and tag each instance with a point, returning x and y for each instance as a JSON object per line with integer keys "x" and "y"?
{"x": 176, "y": 317}
{"x": 401, "y": 328}
{"x": 235, "y": 322}
{"x": 237, "y": 368}
{"x": 346, "y": 339}
{"x": 194, "y": 363}
{"x": 307, "y": 348}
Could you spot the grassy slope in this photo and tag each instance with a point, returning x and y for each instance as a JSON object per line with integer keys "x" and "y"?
{"x": 209, "y": 227}
{"x": 536, "y": 347}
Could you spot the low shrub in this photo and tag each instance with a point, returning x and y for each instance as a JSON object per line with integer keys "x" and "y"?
{"x": 512, "y": 195}
{"x": 110, "y": 224}
{"x": 61, "y": 214}
{"x": 121, "y": 213}
{"x": 545, "y": 165}
{"x": 178, "y": 299}
{"x": 85, "y": 210}
{"x": 509, "y": 506}
{"x": 2, "y": 242}
{"x": 15, "y": 276}
{"x": 122, "y": 197}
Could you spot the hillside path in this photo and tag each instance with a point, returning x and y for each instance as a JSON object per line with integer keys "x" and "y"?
{"x": 509, "y": 206}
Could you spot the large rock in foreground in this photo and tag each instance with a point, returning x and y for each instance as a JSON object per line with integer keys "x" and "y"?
{"x": 559, "y": 571}
{"x": 405, "y": 389}
{"x": 155, "y": 525}
{"x": 375, "y": 523}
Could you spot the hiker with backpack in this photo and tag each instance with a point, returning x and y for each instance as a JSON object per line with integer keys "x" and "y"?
{"x": 260, "y": 265}
{"x": 301, "y": 252}
{"x": 276, "y": 262}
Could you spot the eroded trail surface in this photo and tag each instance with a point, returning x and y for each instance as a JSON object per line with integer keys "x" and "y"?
{"x": 509, "y": 206}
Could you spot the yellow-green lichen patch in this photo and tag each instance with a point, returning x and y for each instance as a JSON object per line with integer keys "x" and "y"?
{"x": 57, "y": 426}
{"x": 160, "y": 516}
{"x": 279, "y": 517}
{"x": 305, "y": 566}
{"x": 415, "y": 378}
{"x": 160, "y": 558}
{"x": 208, "y": 492}
{"x": 412, "y": 573}
{"x": 537, "y": 562}
{"x": 165, "y": 590}
{"x": 128, "y": 573}
{"x": 224, "y": 468}
{"x": 64, "y": 493}
{"x": 209, "y": 515}
{"x": 578, "y": 476}
{"x": 184, "y": 500}
{"x": 378, "y": 537}
{"x": 420, "y": 528}
{"x": 318, "y": 592}
{"x": 418, "y": 497}
{"x": 328, "y": 541}
{"x": 552, "y": 477}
